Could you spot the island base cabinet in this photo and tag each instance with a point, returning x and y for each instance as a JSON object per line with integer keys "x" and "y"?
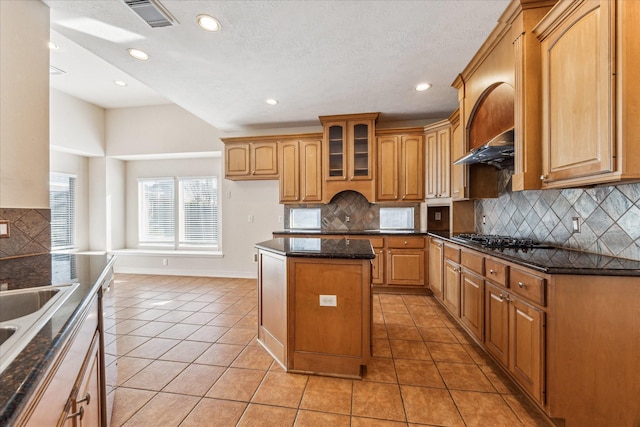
{"x": 272, "y": 305}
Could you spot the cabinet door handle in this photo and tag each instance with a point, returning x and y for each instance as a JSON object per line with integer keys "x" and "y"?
{"x": 79, "y": 413}
{"x": 405, "y": 243}
{"x": 491, "y": 271}
{"x": 501, "y": 297}
{"x": 87, "y": 399}
{"x": 521, "y": 285}
{"x": 543, "y": 177}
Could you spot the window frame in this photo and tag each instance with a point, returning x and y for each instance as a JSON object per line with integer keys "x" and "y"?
{"x": 72, "y": 223}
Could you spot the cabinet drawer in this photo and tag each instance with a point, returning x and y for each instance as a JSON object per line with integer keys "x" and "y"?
{"x": 496, "y": 271}
{"x": 452, "y": 252}
{"x": 405, "y": 242}
{"x": 527, "y": 285}
{"x": 377, "y": 242}
{"x": 472, "y": 261}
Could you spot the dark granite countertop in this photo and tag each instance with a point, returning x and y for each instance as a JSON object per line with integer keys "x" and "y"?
{"x": 321, "y": 232}
{"x": 557, "y": 260}
{"x": 319, "y": 248}
{"x": 21, "y": 378}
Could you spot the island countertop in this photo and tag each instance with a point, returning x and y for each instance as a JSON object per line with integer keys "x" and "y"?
{"x": 319, "y": 248}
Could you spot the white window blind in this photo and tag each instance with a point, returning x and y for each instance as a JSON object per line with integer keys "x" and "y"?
{"x": 62, "y": 196}
{"x": 178, "y": 212}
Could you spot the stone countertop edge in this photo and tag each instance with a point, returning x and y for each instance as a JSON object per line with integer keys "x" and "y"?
{"x": 617, "y": 266}
{"x": 21, "y": 378}
{"x": 399, "y": 232}
{"x": 328, "y": 248}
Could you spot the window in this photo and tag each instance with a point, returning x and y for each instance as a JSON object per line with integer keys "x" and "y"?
{"x": 304, "y": 218}
{"x": 62, "y": 197}
{"x": 178, "y": 212}
{"x": 396, "y": 218}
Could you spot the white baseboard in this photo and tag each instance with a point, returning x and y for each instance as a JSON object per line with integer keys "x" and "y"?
{"x": 186, "y": 272}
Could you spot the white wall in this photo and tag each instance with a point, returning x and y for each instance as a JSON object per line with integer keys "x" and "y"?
{"x": 115, "y": 204}
{"x": 24, "y": 104}
{"x": 79, "y": 166}
{"x": 76, "y": 126}
{"x": 160, "y": 129}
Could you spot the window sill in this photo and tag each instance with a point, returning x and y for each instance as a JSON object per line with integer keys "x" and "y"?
{"x": 168, "y": 252}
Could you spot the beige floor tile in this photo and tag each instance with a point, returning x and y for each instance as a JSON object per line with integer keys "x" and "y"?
{"x": 464, "y": 376}
{"x": 126, "y": 343}
{"x": 433, "y": 406}
{"x": 477, "y": 354}
{"x": 208, "y": 298}
{"x": 129, "y": 325}
{"x": 153, "y": 348}
{"x": 267, "y": 416}
{"x": 174, "y": 316}
{"x": 220, "y": 354}
{"x": 371, "y": 422}
{"x": 240, "y": 336}
{"x": 150, "y": 314}
{"x": 409, "y": 350}
{"x": 394, "y": 308}
{"x": 215, "y": 307}
{"x": 186, "y": 351}
{"x": 193, "y": 306}
{"x": 127, "y": 402}
{"x": 428, "y": 321}
{"x": 151, "y": 329}
{"x": 281, "y": 390}
{"x": 321, "y": 419}
{"x": 498, "y": 379}
{"x": 155, "y": 376}
{"x": 210, "y": 412}
{"x": 163, "y": 410}
{"x": 227, "y": 320}
{"x": 448, "y": 352}
{"x": 240, "y": 308}
{"x": 328, "y": 395}
{"x": 195, "y": 380}
{"x": 379, "y": 330}
{"x": 128, "y": 312}
{"x": 253, "y": 357}
{"x": 381, "y": 347}
{"x": 208, "y": 333}
{"x": 476, "y": 408}
{"x": 390, "y": 299}
{"x": 398, "y": 319}
{"x": 415, "y": 300}
{"x": 526, "y": 412}
{"x": 200, "y": 318}
{"x": 438, "y": 335}
{"x": 381, "y": 369}
{"x": 418, "y": 372}
{"x": 377, "y": 400}
{"x": 248, "y": 321}
{"x": 236, "y": 384}
{"x": 179, "y": 331}
{"x": 129, "y": 366}
{"x": 403, "y": 332}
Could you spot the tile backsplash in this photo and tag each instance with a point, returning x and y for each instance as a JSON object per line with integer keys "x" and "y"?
{"x": 609, "y": 216}
{"x": 29, "y": 232}
{"x": 362, "y": 215}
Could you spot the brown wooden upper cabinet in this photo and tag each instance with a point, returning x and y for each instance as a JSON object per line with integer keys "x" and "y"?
{"x": 590, "y": 93}
{"x": 300, "y": 164}
{"x": 438, "y": 141}
{"x": 246, "y": 160}
{"x": 400, "y": 174}
{"x": 349, "y": 154}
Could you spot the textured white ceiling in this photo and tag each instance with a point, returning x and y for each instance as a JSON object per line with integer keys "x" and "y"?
{"x": 315, "y": 57}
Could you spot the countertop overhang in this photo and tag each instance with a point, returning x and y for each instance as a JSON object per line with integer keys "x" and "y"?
{"x": 315, "y": 247}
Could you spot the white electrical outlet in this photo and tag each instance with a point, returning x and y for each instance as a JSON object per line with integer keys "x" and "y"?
{"x": 328, "y": 301}
{"x": 576, "y": 223}
{"x": 280, "y": 218}
{"x": 165, "y": 261}
{"x": 250, "y": 218}
{"x": 228, "y": 194}
{"x": 438, "y": 216}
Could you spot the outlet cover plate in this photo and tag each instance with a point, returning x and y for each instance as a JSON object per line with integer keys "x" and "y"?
{"x": 328, "y": 301}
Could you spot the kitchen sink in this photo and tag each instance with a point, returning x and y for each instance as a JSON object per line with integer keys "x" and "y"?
{"x": 23, "y": 313}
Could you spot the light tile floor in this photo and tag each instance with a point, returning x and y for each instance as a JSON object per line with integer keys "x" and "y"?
{"x": 187, "y": 356}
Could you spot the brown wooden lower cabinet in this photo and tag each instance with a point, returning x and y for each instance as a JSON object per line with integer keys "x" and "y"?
{"x": 451, "y": 287}
{"x": 435, "y": 267}
{"x": 472, "y": 303}
{"x": 405, "y": 267}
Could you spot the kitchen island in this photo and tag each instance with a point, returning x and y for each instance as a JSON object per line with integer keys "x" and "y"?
{"x": 314, "y": 304}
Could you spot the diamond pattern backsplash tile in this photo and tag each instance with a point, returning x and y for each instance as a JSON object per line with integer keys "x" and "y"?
{"x": 29, "y": 232}
{"x": 610, "y": 217}
{"x": 362, "y": 215}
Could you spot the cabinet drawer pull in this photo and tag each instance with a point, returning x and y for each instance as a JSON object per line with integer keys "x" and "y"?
{"x": 80, "y": 413}
{"x": 491, "y": 271}
{"x": 543, "y": 177}
{"x": 520, "y": 285}
{"x": 87, "y": 399}
{"x": 405, "y": 243}
{"x": 501, "y": 297}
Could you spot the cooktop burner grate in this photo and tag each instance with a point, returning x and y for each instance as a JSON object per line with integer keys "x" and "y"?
{"x": 500, "y": 242}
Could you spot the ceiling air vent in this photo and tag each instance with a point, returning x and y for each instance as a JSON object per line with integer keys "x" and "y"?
{"x": 152, "y": 12}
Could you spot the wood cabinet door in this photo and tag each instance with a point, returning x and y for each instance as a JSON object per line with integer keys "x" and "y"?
{"x": 458, "y": 172}
{"x": 377, "y": 269}
{"x": 451, "y": 287}
{"x": 335, "y": 149}
{"x": 264, "y": 159}
{"x": 236, "y": 160}
{"x": 359, "y": 149}
{"x": 387, "y": 178}
{"x": 526, "y": 359}
{"x": 496, "y": 328}
{"x": 310, "y": 171}
{"x": 405, "y": 267}
{"x": 89, "y": 396}
{"x": 435, "y": 267}
{"x": 432, "y": 162}
{"x": 444, "y": 162}
{"x": 578, "y": 95}
{"x": 412, "y": 167}
{"x": 472, "y": 303}
{"x": 289, "y": 164}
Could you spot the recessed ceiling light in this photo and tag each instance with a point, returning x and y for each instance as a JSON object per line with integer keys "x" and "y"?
{"x": 271, "y": 101}
{"x": 208, "y": 23}
{"x": 52, "y": 45}
{"x": 119, "y": 83}
{"x": 422, "y": 87}
{"x": 138, "y": 54}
